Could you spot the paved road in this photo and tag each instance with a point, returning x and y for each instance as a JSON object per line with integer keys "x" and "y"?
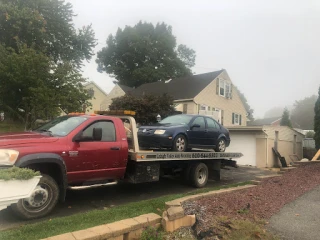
{"x": 300, "y": 219}
{"x": 109, "y": 196}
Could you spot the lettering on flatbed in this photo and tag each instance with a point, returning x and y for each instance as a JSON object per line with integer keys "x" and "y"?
{"x": 197, "y": 155}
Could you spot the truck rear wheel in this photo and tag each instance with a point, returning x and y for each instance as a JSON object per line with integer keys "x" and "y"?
{"x": 199, "y": 175}
{"x": 41, "y": 202}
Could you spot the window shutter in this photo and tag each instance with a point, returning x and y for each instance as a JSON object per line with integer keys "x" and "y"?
{"x": 231, "y": 86}
{"x": 239, "y": 119}
{"x": 222, "y": 112}
{"x": 217, "y": 90}
{"x": 232, "y": 118}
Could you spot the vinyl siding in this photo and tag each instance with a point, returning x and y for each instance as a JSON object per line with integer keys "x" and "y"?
{"x": 209, "y": 97}
{"x": 114, "y": 93}
{"x": 97, "y": 99}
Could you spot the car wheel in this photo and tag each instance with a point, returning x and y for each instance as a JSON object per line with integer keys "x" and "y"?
{"x": 41, "y": 202}
{"x": 221, "y": 146}
{"x": 180, "y": 143}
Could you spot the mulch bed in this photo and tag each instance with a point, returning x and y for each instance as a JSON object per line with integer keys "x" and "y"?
{"x": 260, "y": 202}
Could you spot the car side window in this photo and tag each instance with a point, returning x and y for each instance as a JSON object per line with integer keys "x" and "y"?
{"x": 201, "y": 122}
{"x": 108, "y": 131}
{"x": 212, "y": 124}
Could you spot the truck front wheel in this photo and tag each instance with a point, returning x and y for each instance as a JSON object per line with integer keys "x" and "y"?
{"x": 41, "y": 202}
{"x": 199, "y": 175}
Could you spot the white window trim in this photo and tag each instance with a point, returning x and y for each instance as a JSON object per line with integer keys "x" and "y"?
{"x": 236, "y": 123}
{"x": 222, "y": 83}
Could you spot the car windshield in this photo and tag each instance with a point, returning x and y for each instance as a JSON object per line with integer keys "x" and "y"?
{"x": 62, "y": 126}
{"x": 177, "y": 119}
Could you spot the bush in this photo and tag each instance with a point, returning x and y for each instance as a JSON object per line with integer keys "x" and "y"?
{"x": 151, "y": 233}
{"x": 16, "y": 173}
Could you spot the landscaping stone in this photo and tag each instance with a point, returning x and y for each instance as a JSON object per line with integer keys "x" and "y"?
{"x": 175, "y": 213}
{"x": 66, "y": 236}
{"x": 171, "y": 226}
{"x": 148, "y": 219}
{"x": 86, "y": 235}
{"x": 103, "y": 231}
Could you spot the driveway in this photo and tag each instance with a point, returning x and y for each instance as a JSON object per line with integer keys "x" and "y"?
{"x": 110, "y": 196}
{"x": 300, "y": 219}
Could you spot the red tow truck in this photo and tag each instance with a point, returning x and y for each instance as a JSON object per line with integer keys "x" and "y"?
{"x": 85, "y": 150}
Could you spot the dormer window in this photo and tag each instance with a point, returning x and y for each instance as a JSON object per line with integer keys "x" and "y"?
{"x": 224, "y": 88}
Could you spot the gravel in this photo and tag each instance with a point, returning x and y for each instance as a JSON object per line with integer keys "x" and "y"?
{"x": 260, "y": 202}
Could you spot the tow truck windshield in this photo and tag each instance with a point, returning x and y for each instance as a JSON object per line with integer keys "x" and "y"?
{"x": 61, "y": 126}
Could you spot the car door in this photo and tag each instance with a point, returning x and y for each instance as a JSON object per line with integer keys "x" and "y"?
{"x": 98, "y": 160}
{"x": 213, "y": 131}
{"x": 197, "y": 135}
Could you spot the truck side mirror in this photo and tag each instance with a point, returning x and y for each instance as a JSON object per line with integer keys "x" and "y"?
{"x": 97, "y": 134}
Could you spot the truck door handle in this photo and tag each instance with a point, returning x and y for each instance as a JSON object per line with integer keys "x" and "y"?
{"x": 115, "y": 148}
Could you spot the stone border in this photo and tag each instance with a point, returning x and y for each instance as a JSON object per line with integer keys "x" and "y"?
{"x": 131, "y": 229}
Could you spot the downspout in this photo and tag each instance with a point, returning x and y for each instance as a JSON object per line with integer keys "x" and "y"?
{"x": 267, "y": 155}
{"x": 196, "y": 105}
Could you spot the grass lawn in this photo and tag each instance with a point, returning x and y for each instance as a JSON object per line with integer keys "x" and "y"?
{"x": 11, "y": 127}
{"x": 97, "y": 217}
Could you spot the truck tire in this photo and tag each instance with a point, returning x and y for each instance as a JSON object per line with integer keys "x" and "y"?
{"x": 199, "y": 175}
{"x": 180, "y": 143}
{"x": 42, "y": 201}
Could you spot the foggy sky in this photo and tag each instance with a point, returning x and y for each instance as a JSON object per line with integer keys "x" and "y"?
{"x": 271, "y": 48}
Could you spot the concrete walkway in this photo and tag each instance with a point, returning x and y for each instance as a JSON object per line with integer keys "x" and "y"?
{"x": 300, "y": 219}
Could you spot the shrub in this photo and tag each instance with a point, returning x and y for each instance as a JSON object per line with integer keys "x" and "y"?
{"x": 151, "y": 233}
{"x": 17, "y": 173}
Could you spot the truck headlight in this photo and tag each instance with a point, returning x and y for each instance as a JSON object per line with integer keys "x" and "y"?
{"x": 159, "y": 132}
{"x": 8, "y": 157}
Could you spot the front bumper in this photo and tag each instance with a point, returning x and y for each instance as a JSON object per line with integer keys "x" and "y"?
{"x": 155, "y": 141}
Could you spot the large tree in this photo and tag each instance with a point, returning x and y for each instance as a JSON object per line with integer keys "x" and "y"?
{"x": 317, "y": 121}
{"x": 33, "y": 87}
{"x": 147, "y": 107}
{"x": 246, "y": 104}
{"x": 285, "y": 120}
{"x": 145, "y": 53}
{"x": 47, "y": 26}
{"x": 302, "y": 113}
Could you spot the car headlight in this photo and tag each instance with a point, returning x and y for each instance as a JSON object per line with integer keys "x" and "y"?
{"x": 8, "y": 157}
{"x": 159, "y": 132}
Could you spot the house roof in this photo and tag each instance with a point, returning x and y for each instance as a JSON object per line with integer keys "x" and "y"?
{"x": 180, "y": 88}
{"x": 88, "y": 83}
{"x": 264, "y": 121}
{"x": 126, "y": 89}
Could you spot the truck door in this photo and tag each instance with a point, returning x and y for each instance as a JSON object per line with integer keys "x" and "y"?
{"x": 100, "y": 160}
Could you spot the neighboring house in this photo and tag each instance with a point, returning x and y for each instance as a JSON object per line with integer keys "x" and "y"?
{"x": 210, "y": 94}
{"x": 97, "y": 94}
{"x": 273, "y": 121}
{"x": 117, "y": 91}
{"x": 256, "y": 143}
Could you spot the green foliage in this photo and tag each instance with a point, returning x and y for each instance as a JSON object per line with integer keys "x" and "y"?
{"x": 151, "y": 233}
{"x": 46, "y": 26}
{"x": 285, "y": 120}
{"x": 317, "y": 121}
{"x": 310, "y": 134}
{"x": 246, "y": 104}
{"x": 147, "y": 107}
{"x": 303, "y": 112}
{"x": 15, "y": 173}
{"x": 145, "y": 53}
{"x": 33, "y": 87}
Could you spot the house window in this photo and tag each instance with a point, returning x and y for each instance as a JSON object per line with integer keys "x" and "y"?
{"x": 224, "y": 88}
{"x": 203, "y": 107}
{"x": 185, "y": 108}
{"x": 91, "y": 92}
{"x": 236, "y": 119}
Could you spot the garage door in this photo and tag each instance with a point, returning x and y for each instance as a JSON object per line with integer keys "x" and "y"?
{"x": 246, "y": 144}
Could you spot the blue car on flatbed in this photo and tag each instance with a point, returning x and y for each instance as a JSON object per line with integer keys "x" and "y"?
{"x": 183, "y": 132}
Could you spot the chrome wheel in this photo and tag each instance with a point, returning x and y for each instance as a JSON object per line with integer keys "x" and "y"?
{"x": 39, "y": 199}
{"x": 202, "y": 175}
{"x": 222, "y": 145}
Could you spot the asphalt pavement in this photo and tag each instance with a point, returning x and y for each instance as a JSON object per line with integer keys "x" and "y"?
{"x": 300, "y": 219}
{"x": 110, "y": 196}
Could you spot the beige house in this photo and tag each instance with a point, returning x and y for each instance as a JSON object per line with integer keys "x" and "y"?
{"x": 117, "y": 91}
{"x": 256, "y": 143}
{"x": 98, "y": 96}
{"x": 211, "y": 94}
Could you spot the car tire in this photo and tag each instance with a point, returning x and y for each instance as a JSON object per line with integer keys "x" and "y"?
{"x": 180, "y": 143}
{"x": 199, "y": 175}
{"x": 47, "y": 194}
{"x": 221, "y": 145}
